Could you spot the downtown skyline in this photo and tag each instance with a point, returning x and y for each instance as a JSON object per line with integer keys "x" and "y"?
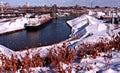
{"x": 101, "y": 3}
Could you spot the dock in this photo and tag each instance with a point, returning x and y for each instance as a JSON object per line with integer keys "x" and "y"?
{"x": 45, "y": 20}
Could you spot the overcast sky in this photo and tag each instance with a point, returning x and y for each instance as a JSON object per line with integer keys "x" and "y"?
{"x": 111, "y": 3}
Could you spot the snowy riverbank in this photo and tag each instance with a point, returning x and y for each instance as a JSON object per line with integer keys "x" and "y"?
{"x": 12, "y": 24}
{"x": 102, "y": 56}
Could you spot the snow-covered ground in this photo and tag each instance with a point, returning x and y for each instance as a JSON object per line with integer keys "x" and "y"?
{"x": 94, "y": 30}
{"x": 13, "y": 24}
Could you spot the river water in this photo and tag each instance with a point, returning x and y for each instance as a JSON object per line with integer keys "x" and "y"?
{"x": 52, "y": 32}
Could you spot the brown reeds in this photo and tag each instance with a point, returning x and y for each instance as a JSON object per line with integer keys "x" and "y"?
{"x": 58, "y": 55}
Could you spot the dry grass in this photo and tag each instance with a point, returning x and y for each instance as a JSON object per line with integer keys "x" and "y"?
{"x": 57, "y": 56}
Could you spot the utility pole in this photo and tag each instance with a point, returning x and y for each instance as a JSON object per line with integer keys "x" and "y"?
{"x": 91, "y": 4}
{"x": 76, "y": 10}
{"x": 113, "y": 19}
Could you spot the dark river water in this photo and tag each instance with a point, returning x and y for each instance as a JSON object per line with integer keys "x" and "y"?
{"x": 52, "y": 32}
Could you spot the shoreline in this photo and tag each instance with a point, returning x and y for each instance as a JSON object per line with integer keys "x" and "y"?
{"x": 9, "y": 32}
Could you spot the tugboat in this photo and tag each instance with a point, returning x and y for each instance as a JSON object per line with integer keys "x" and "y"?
{"x": 33, "y": 23}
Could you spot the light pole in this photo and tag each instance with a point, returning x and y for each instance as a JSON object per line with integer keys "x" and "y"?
{"x": 91, "y": 3}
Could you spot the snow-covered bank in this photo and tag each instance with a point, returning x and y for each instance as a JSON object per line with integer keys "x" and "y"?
{"x": 14, "y": 24}
{"x": 58, "y": 58}
{"x": 100, "y": 57}
{"x": 86, "y": 27}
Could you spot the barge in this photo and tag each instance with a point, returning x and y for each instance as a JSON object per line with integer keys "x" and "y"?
{"x": 36, "y": 22}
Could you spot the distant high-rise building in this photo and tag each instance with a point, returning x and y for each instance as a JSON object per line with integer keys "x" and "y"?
{"x": 7, "y": 5}
{"x": 1, "y": 6}
{"x": 26, "y": 5}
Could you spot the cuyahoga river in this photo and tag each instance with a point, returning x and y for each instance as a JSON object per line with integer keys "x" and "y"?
{"x": 52, "y": 32}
